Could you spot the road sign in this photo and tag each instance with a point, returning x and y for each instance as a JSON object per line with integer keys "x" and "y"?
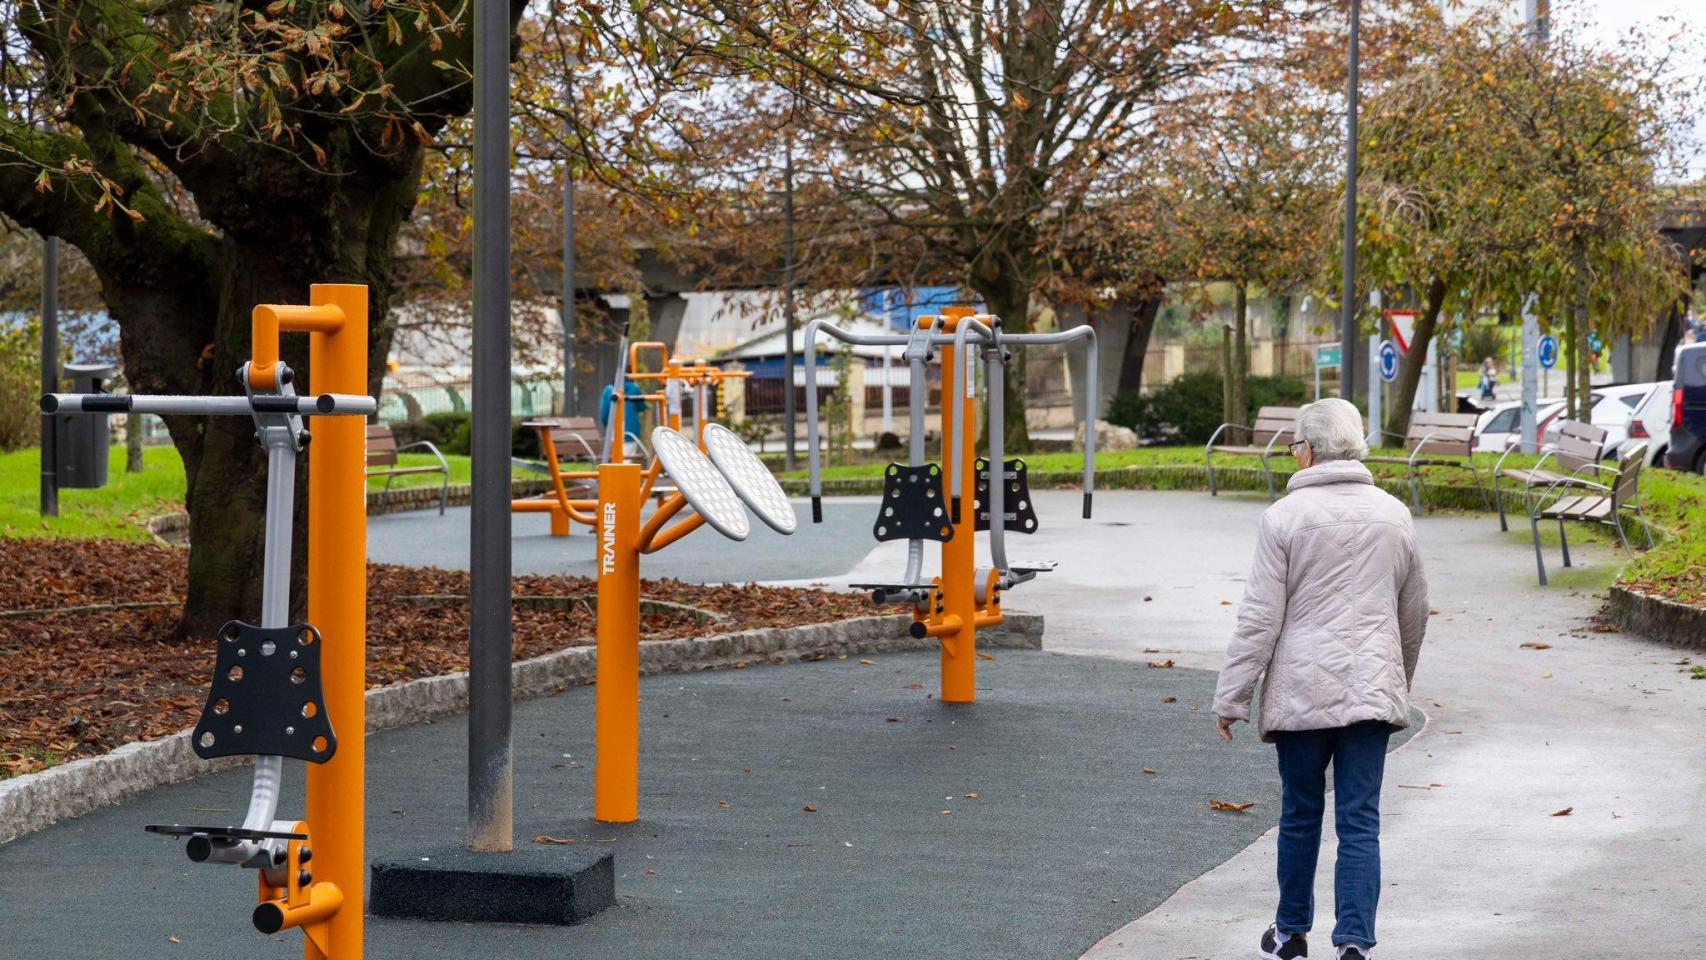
{"x": 1548, "y": 352}
{"x": 1402, "y": 324}
{"x": 1327, "y": 356}
{"x": 1388, "y": 361}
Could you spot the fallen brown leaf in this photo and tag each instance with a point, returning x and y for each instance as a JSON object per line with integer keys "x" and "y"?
{"x": 869, "y": 663}
{"x": 971, "y": 796}
{"x": 947, "y": 813}
{"x": 559, "y": 841}
{"x": 1564, "y": 812}
{"x": 810, "y": 809}
{"x": 723, "y": 804}
{"x": 1161, "y": 664}
{"x": 1230, "y": 807}
{"x": 173, "y": 940}
{"x": 1149, "y": 770}
{"x": 1169, "y": 699}
{"x": 1534, "y": 645}
{"x": 893, "y": 719}
{"x": 984, "y": 656}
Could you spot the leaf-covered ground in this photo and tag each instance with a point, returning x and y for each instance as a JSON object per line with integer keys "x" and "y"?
{"x": 79, "y": 683}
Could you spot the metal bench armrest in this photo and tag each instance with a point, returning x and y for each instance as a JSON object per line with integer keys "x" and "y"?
{"x": 431, "y": 448}
{"x": 1207, "y": 447}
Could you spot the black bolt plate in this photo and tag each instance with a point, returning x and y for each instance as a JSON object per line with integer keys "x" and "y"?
{"x": 224, "y": 834}
{"x": 912, "y": 507}
{"x": 266, "y": 698}
{"x": 1021, "y": 517}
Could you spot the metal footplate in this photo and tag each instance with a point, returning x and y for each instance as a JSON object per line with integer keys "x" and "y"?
{"x": 266, "y": 698}
{"x": 1022, "y": 570}
{"x": 895, "y": 592}
{"x": 912, "y": 504}
{"x": 1020, "y": 517}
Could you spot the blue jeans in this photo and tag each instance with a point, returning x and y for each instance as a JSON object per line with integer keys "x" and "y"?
{"x": 1358, "y": 755}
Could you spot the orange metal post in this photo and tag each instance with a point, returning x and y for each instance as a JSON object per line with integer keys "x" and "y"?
{"x": 616, "y": 733}
{"x": 337, "y": 604}
{"x": 959, "y": 553}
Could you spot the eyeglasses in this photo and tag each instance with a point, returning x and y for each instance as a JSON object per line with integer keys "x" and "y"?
{"x": 1292, "y": 446}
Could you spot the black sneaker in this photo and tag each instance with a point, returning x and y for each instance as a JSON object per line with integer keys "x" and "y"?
{"x": 1351, "y": 951}
{"x": 1293, "y": 947}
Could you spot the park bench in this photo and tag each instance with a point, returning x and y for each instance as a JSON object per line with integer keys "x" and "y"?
{"x": 382, "y": 460}
{"x": 1437, "y": 440}
{"x": 1578, "y": 498}
{"x": 1274, "y": 428}
{"x": 1575, "y": 456}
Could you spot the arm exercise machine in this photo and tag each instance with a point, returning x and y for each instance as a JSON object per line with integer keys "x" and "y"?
{"x": 278, "y": 686}
{"x": 923, "y": 501}
{"x": 715, "y": 481}
{"x": 675, "y": 376}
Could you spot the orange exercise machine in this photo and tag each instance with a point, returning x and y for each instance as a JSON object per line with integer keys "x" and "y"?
{"x": 673, "y": 377}
{"x": 924, "y": 501}
{"x": 715, "y": 480}
{"x": 278, "y": 687}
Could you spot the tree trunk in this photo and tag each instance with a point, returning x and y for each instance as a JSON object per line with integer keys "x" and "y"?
{"x": 1241, "y": 355}
{"x": 1584, "y": 329}
{"x": 1410, "y": 369}
{"x": 161, "y": 338}
{"x": 1137, "y": 345}
{"x": 133, "y": 443}
{"x": 1226, "y": 413}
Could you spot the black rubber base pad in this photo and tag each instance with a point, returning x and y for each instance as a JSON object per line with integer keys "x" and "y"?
{"x": 534, "y": 884}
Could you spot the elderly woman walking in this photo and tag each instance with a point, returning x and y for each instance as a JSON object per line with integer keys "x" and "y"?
{"x": 1331, "y": 625}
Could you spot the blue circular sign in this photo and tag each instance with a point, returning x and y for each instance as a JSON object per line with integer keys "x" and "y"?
{"x": 1388, "y": 361}
{"x": 1548, "y": 352}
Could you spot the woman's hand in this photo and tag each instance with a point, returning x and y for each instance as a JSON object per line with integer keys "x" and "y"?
{"x": 1225, "y": 725}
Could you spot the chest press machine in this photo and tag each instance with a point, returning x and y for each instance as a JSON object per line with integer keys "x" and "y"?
{"x": 277, "y": 687}
{"x": 923, "y": 501}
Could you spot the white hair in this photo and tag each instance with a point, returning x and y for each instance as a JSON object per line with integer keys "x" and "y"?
{"x": 1333, "y": 430}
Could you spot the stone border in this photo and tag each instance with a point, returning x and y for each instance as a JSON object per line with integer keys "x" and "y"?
{"x": 36, "y": 800}
{"x": 1656, "y": 618}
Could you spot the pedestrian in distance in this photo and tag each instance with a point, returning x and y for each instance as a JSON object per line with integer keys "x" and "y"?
{"x": 1331, "y": 626}
{"x": 1489, "y": 378}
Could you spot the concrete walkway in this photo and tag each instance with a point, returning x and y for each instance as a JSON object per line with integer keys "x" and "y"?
{"x": 1476, "y": 865}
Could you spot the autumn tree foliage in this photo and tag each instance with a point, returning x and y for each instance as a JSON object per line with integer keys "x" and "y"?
{"x": 1497, "y": 167}
{"x": 208, "y": 156}
{"x": 986, "y": 130}
{"x": 1250, "y": 169}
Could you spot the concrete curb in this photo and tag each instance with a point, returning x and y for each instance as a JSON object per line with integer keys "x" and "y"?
{"x": 36, "y": 800}
{"x": 1656, "y": 618}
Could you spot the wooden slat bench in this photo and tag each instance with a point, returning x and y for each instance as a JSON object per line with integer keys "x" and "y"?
{"x": 1275, "y": 427}
{"x": 1437, "y": 440}
{"x": 1574, "y": 452}
{"x": 1593, "y": 502}
{"x": 382, "y": 460}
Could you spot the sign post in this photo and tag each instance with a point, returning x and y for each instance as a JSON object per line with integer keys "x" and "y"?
{"x": 1548, "y": 353}
{"x": 1328, "y": 355}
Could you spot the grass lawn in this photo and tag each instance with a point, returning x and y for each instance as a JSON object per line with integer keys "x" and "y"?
{"x": 118, "y": 510}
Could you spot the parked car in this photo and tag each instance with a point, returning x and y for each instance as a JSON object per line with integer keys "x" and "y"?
{"x": 1651, "y": 425}
{"x": 1613, "y": 408}
{"x": 1688, "y": 410}
{"x": 1500, "y": 427}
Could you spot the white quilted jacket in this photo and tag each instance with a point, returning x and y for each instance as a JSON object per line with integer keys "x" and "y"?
{"x": 1334, "y": 611}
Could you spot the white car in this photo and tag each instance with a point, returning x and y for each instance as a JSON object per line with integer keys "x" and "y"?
{"x": 1500, "y": 426}
{"x": 1651, "y": 424}
{"x": 1613, "y": 409}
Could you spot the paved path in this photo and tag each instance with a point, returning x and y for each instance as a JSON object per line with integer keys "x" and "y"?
{"x": 423, "y": 538}
{"x": 1064, "y": 837}
{"x": 1600, "y": 722}
{"x": 1476, "y": 865}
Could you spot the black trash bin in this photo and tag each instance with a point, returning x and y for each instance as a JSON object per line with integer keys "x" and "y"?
{"x": 81, "y": 441}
